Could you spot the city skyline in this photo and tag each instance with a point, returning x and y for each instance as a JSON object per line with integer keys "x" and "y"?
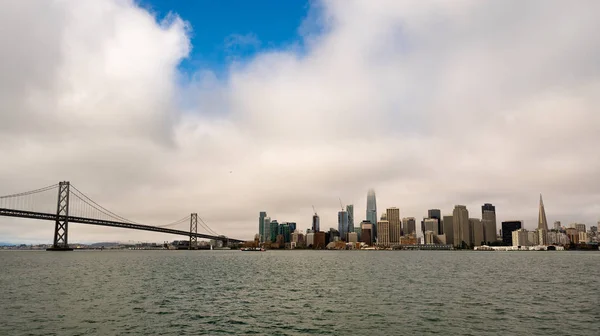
{"x": 161, "y": 109}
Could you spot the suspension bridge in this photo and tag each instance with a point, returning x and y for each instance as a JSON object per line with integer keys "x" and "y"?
{"x": 73, "y": 206}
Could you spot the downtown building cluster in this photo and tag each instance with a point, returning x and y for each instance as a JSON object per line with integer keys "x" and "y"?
{"x": 457, "y": 230}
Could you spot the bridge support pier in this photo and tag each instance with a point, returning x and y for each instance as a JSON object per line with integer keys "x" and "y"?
{"x": 193, "y": 231}
{"x": 61, "y": 226}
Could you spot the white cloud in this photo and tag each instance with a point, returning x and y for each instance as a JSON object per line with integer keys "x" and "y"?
{"x": 431, "y": 103}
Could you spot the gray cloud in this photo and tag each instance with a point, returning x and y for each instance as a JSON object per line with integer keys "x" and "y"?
{"x": 431, "y": 103}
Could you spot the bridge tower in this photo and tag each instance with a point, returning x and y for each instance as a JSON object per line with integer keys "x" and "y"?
{"x": 193, "y": 231}
{"x": 61, "y": 226}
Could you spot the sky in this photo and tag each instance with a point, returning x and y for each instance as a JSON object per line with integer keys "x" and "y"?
{"x": 157, "y": 109}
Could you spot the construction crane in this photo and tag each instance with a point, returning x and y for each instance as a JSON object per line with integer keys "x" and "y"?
{"x": 315, "y": 211}
{"x": 341, "y": 205}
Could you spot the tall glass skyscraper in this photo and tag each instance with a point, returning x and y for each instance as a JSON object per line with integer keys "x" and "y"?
{"x": 343, "y": 224}
{"x": 372, "y": 211}
{"x": 316, "y": 227}
{"x": 350, "y": 210}
{"x": 261, "y": 225}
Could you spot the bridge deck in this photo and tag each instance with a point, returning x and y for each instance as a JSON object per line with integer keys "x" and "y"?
{"x": 83, "y": 220}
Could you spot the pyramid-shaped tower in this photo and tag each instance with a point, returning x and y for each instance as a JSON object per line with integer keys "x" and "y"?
{"x": 542, "y": 222}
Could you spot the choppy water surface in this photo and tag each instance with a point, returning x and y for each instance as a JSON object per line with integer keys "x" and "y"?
{"x": 299, "y": 292}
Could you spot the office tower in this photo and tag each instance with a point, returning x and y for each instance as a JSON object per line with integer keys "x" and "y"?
{"x": 519, "y": 237}
{"x": 393, "y": 216}
{"x": 594, "y": 229}
{"x": 285, "y": 231}
{"x": 476, "y": 228}
{"x": 507, "y": 228}
{"x": 557, "y": 226}
{"x": 316, "y": 225}
{"x": 292, "y": 226}
{"x": 266, "y": 230}
{"x": 437, "y": 214}
{"x": 261, "y": 226}
{"x": 409, "y": 225}
{"x": 319, "y": 240}
{"x": 488, "y": 220}
{"x": 274, "y": 230}
{"x": 310, "y": 239}
{"x": 343, "y": 224}
{"x": 372, "y": 211}
{"x": 580, "y": 227}
{"x": 431, "y": 224}
{"x": 383, "y": 232}
{"x": 542, "y": 222}
{"x": 429, "y": 237}
{"x": 448, "y": 229}
{"x": 460, "y": 221}
{"x": 350, "y": 210}
{"x": 366, "y": 232}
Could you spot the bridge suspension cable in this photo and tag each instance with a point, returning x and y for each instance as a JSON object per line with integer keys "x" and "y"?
{"x": 181, "y": 221}
{"x": 204, "y": 225}
{"x": 100, "y": 210}
{"x": 31, "y": 192}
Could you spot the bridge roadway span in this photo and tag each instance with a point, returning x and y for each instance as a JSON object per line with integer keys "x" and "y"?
{"x": 83, "y": 220}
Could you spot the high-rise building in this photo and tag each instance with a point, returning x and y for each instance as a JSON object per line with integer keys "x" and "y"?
{"x": 261, "y": 226}
{"x": 476, "y": 228}
{"x": 431, "y": 224}
{"x": 488, "y": 220}
{"x": 372, "y": 211}
{"x": 580, "y": 227}
{"x": 507, "y": 228}
{"x": 383, "y": 231}
{"x": 266, "y": 230}
{"x": 319, "y": 240}
{"x": 542, "y": 222}
{"x": 393, "y": 216}
{"x": 557, "y": 226}
{"x": 274, "y": 230}
{"x": 343, "y": 224}
{"x": 519, "y": 237}
{"x": 437, "y": 214}
{"x": 366, "y": 232}
{"x": 350, "y": 210}
{"x": 448, "y": 229}
{"x": 409, "y": 226}
{"x": 460, "y": 221}
{"x": 316, "y": 225}
{"x": 286, "y": 232}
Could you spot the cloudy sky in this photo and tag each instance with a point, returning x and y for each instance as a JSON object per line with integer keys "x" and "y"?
{"x": 156, "y": 111}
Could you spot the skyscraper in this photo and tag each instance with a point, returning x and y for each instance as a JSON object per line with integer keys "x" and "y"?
{"x": 372, "y": 211}
{"x": 393, "y": 217}
{"x": 431, "y": 224}
{"x": 274, "y": 230}
{"x": 437, "y": 214}
{"x": 460, "y": 221}
{"x": 350, "y": 210}
{"x": 448, "y": 229}
{"x": 476, "y": 228}
{"x": 261, "y": 226}
{"x": 488, "y": 219}
{"x": 409, "y": 225}
{"x": 383, "y": 227}
{"x": 316, "y": 225}
{"x": 507, "y": 230}
{"x": 343, "y": 224}
{"x": 542, "y": 222}
{"x": 266, "y": 229}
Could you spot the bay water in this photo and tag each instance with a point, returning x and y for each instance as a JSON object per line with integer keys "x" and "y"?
{"x": 299, "y": 293}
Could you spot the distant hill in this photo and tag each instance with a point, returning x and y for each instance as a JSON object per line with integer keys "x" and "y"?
{"x": 105, "y": 244}
{"x": 7, "y": 244}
